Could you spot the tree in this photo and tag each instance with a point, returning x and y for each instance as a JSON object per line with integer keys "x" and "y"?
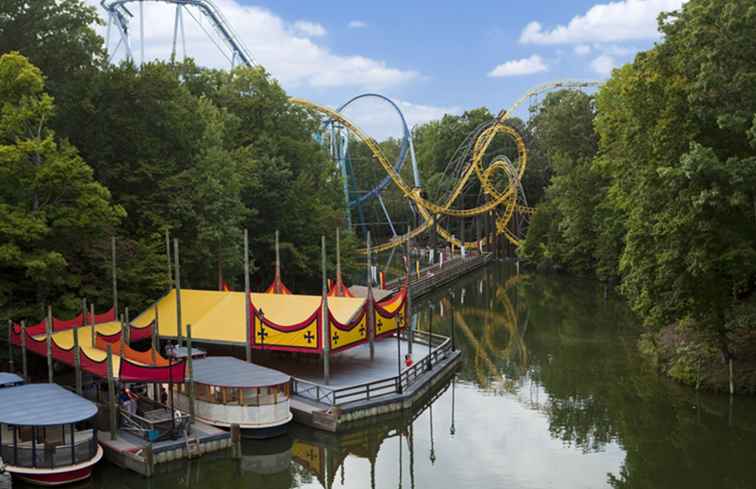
{"x": 564, "y": 231}
{"x": 51, "y": 207}
{"x": 57, "y": 37}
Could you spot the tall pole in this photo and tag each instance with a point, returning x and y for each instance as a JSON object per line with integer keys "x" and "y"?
{"x": 408, "y": 314}
{"x": 155, "y": 339}
{"x": 370, "y": 301}
{"x": 277, "y": 280}
{"x": 338, "y": 262}
{"x": 451, "y": 316}
{"x": 325, "y": 319}
{"x": 190, "y": 369}
{"x": 25, "y": 370}
{"x": 48, "y": 327}
{"x": 430, "y": 337}
{"x": 247, "y": 305}
{"x": 168, "y": 258}
{"x": 77, "y": 360}
{"x": 92, "y": 324}
{"x": 115, "y": 275}
{"x": 111, "y": 396}
{"x": 177, "y": 270}
{"x": 127, "y": 325}
{"x": 10, "y": 345}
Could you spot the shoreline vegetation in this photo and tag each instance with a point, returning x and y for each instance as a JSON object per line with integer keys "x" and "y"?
{"x": 653, "y": 191}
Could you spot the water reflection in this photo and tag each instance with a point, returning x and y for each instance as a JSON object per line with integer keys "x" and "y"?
{"x": 551, "y": 393}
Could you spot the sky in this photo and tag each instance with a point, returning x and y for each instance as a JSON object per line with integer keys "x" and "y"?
{"x": 431, "y": 58}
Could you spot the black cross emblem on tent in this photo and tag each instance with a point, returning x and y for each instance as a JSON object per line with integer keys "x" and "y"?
{"x": 309, "y": 337}
{"x": 336, "y": 338}
{"x": 311, "y": 454}
{"x": 380, "y": 325}
{"x": 262, "y": 334}
{"x": 362, "y": 330}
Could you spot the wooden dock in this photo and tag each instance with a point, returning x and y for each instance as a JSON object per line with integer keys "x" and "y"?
{"x": 337, "y": 408}
{"x": 132, "y": 452}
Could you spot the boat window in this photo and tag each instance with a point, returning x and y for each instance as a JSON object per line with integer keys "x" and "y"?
{"x": 48, "y": 446}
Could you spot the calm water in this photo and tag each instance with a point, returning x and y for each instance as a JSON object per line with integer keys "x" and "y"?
{"x": 552, "y": 394}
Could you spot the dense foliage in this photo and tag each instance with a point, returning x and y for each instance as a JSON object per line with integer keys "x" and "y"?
{"x": 89, "y": 151}
{"x": 666, "y": 200}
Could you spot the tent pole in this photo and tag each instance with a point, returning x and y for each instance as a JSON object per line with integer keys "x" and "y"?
{"x": 115, "y": 274}
{"x": 127, "y": 326}
{"x": 111, "y": 396}
{"x": 370, "y": 302}
{"x": 338, "y": 262}
{"x": 191, "y": 371}
{"x": 23, "y": 351}
{"x": 48, "y": 339}
{"x": 154, "y": 339}
{"x": 247, "y": 342}
{"x": 177, "y": 270}
{"x": 408, "y": 307}
{"x": 77, "y": 354}
{"x": 168, "y": 256}
{"x": 10, "y": 345}
{"x": 92, "y": 323}
{"x": 325, "y": 319}
{"x": 277, "y": 280}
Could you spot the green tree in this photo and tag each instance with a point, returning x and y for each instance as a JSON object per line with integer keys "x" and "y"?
{"x": 51, "y": 208}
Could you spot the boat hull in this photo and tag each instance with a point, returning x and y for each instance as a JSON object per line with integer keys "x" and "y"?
{"x": 56, "y": 477}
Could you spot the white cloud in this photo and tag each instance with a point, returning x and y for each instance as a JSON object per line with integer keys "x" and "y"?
{"x": 610, "y": 22}
{"x": 582, "y": 49}
{"x": 518, "y": 67}
{"x": 309, "y": 29}
{"x": 603, "y": 64}
{"x": 380, "y": 121}
{"x": 356, "y": 24}
{"x": 294, "y": 60}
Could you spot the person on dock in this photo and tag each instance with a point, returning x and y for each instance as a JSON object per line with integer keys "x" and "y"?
{"x": 408, "y": 360}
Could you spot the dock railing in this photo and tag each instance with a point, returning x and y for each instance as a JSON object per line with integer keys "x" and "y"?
{"x": 441, "y": 346}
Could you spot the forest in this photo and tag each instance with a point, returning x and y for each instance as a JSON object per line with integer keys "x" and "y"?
{"x": 648, "y": 184}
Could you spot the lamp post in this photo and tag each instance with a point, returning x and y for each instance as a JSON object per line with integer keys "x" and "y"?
{"x": 430, "y": 336}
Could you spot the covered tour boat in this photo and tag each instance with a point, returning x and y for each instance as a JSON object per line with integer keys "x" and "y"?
{"x": 48, "y": 435}
{"x": 229, "y": 391}
{"x": 8, "y": 379}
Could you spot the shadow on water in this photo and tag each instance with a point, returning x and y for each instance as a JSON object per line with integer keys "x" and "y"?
{"x": 552, "y": 393}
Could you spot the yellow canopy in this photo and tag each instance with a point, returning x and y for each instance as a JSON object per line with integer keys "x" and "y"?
{"x": 218, "y": 316}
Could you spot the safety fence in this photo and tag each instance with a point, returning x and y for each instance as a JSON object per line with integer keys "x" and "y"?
{"x": 441, "y": 346}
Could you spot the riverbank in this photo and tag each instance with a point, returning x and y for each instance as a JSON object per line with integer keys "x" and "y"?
{"x": 685, "y": 355}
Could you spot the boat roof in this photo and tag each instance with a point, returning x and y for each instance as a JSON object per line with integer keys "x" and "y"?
{"x": 232, "y": 372}
{"x": 43, "y": 405}
{"x": 7, "y": 378}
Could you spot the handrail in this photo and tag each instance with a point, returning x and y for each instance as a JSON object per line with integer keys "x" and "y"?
{"x": 441, "y": 346}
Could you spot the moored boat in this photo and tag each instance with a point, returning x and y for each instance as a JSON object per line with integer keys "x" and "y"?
{"x": 48, "y": 434}
{"x": 229, "y": 391}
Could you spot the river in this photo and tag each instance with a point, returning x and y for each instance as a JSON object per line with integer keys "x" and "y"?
{"x": 552, "y": 393}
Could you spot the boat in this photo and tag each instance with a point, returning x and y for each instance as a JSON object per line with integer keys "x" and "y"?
{"x": 229, "y": 391}
{"x": 8, "y": 379}
{"x": 48, "y": 434}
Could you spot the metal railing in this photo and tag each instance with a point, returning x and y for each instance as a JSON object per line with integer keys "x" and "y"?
{"x": 441, "y": 346}
{"x": 49, "y": 457}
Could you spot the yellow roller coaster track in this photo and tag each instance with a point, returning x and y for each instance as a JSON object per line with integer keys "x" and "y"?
{"x": 502, "y": 204}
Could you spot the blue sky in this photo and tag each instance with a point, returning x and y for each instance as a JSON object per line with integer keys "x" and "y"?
{"x": 430, "y": 57}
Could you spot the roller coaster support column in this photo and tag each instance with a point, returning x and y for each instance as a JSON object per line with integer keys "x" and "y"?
{"x": 408, "y": 314}
{"x": 434, "y": 236}
{"x": 177, "y": 270}
{"x": 325, "y": 320}
{"x": 248, "y": 340}
{"x": 370, "y": 302}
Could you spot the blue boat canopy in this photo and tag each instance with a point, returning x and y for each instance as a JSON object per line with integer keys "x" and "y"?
{"x": 232, "y": 372}
{"x": 43, "y": 405}
{"x": 8, "y": 379}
